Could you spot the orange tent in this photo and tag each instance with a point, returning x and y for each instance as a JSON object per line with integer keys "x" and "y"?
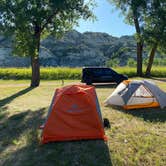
{"x": 74, "y": 115}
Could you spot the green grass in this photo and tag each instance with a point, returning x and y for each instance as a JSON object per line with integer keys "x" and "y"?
{"x": 68, "y": 73}
{"x": 136, "y": 138}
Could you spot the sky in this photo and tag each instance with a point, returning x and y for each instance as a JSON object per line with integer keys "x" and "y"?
{"x": 109, "y": 20}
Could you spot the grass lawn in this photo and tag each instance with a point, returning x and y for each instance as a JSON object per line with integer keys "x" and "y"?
{"x": 135, "y": 138}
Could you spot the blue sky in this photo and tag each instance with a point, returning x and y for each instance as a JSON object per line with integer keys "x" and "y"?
{"x": 109, "y": 20}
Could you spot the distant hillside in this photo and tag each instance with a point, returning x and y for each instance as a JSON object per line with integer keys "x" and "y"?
{"x": 74, "y": 49}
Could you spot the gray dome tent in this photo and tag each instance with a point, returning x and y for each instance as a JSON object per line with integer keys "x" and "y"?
{"x": 137, "y": 94}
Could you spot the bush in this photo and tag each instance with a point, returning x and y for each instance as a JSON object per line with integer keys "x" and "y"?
{"x": 45, "y": 73}
{"x": 131, "y": 62}
{"x": 158, "y": 71}
{"x": 129, "y": 71}
{"x": 112, "y": 63}
{"x": 156, "y": 62}
{"x": 59, "y": 73}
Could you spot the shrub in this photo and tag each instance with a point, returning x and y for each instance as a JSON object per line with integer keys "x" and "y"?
{"x": 45, "y": 73}
{"x": 59, "y": 73}
{"x": 131, "y": 62}
{"x": 112, "y": 63}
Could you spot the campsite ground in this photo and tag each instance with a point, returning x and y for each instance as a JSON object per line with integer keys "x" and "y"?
{"x": 135, "y": 138}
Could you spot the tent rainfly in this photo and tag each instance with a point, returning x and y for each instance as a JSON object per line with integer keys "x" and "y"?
{"x": 74, "y": 114}
{"x": 137, "y": 94}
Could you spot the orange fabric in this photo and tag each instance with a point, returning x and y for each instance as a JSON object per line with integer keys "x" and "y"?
{"x": 147, "y": 105}
{"x": 126, "y": 82}
{"x": 73, "y": 116}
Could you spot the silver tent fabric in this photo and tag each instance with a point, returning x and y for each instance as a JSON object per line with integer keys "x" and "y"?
{"x": 154, "y": 89}
{"x": 130, "y": 89}
{"x": 157, "y": 92}
{"x": 127, "y": 92}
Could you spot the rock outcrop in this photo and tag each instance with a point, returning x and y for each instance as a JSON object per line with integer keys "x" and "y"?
{"x": 74, "y": 49}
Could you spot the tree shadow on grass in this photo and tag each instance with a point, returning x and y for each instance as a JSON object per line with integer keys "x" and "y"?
{"x": 71, "y": 153}
{"x": 74, "y": 153}
{"x": 13, "y": 127}
{"x": 7, "y": 100}
{"x": 147, "y": 114}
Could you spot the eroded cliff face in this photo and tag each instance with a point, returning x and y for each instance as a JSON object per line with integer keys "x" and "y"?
{"x": 6, "y": 57}
{"x": 74, "y": 49}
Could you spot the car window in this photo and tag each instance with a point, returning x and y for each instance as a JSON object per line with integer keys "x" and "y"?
{"x": 100, "y": 71}
{"x": 112, "y": 72}
{"x": 107, "y": 72}
{"x": 97, "y": 72}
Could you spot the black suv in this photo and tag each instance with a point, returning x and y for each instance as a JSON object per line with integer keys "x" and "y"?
{"x": 100, "y": 75}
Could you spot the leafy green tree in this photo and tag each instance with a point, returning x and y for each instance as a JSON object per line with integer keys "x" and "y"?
{"x": 113, "y": 62}
{"x": 155, "y": 30}
{"x": 131, "y": 62}
{"x": 133, "y": 11}
{"x": 32, "y": 20}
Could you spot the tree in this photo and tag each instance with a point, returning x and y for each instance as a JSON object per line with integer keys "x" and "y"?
{"x": 32, "y": 20}
{"x": 155, "y": 30}
{"x": 133, "y": 11}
